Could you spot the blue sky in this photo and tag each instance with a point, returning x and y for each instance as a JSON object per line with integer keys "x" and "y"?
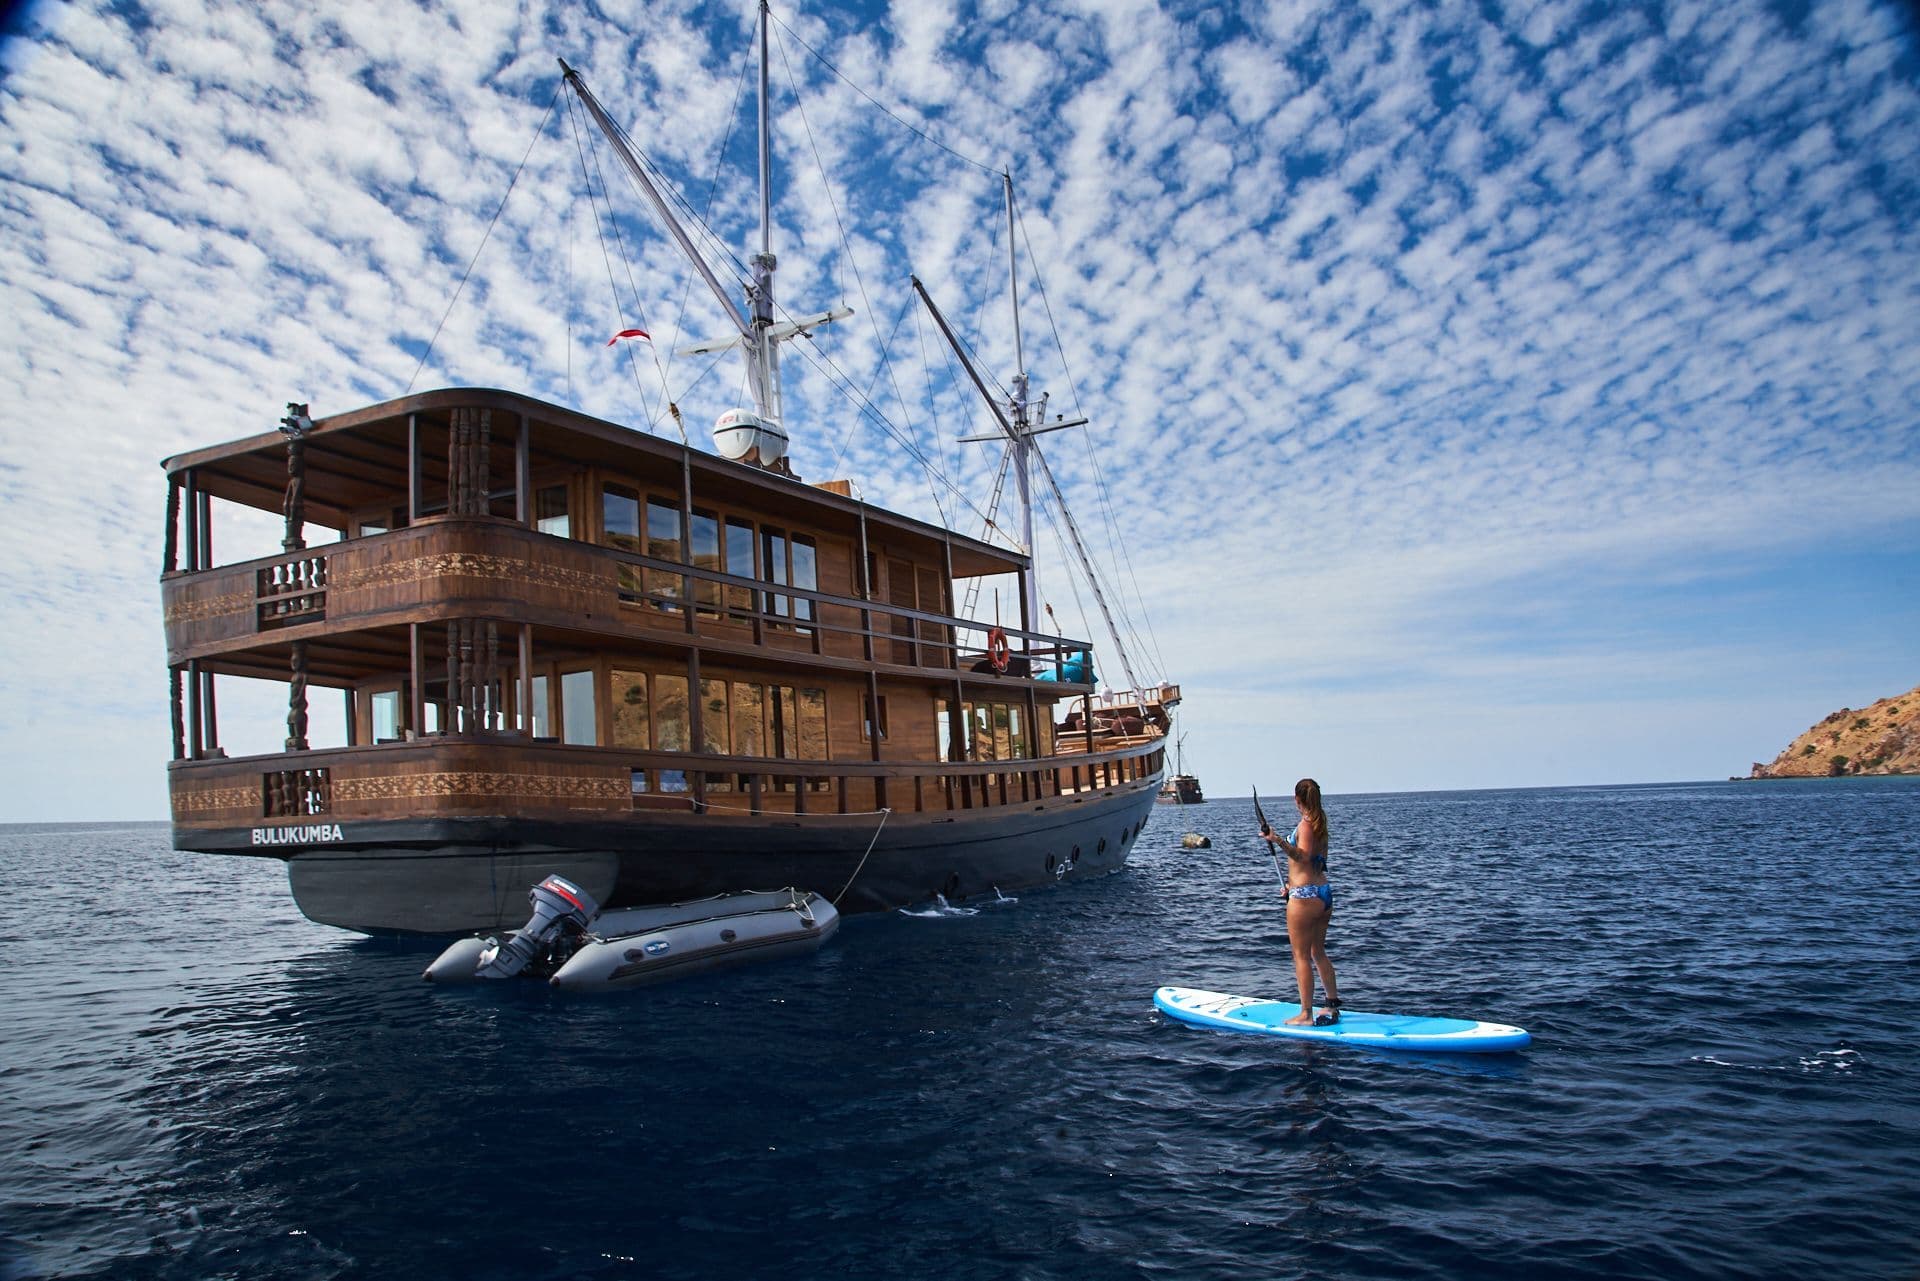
{"x": 1487, "y": 395}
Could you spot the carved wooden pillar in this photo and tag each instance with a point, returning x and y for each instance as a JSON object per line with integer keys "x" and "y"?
{"x": 295, "y": 427}
{"x": 170, "y": 556}
{"x": 179, "y": 714}
{"x": 456, "y": 465}
{"x": 469, "y": 444}
{"x": 297, "y": 699}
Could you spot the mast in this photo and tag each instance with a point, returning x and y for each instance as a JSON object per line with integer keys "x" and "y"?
{"x": 757, "y": 334}
{"x": 766, "y": 396}
{"x": 1022, "y": 442}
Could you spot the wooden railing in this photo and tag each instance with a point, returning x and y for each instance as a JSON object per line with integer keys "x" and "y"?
{"x": 439, "y": 566}
{"x": 496, "y": 774}
{"x": 291, "y": 590}
{"x": 295, "y": 793}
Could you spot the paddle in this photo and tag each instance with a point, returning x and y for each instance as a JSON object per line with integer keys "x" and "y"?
{"x": 1266, "y": 829}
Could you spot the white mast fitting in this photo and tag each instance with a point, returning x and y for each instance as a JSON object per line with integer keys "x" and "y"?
{"x": 757, "y": 436}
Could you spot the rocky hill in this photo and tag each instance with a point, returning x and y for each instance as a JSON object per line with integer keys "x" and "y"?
{"x": 1882, "y": 739}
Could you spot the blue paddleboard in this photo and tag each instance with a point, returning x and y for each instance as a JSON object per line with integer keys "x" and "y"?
{"x": 1378, "y": 1031}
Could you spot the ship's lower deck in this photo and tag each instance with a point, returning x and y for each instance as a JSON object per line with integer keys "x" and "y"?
{"x": 455, "y": 875}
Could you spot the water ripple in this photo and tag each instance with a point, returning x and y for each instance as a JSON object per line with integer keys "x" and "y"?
{"x": 206, "y": 1085}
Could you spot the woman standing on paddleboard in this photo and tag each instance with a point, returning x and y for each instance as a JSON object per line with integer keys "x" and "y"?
{"x": 1309, "y": 902}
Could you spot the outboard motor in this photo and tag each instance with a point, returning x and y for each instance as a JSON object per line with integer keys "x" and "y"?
{"x": 562, "y": 911}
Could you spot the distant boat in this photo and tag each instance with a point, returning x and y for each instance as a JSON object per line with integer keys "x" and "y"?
{"x": 1182, "y": 788}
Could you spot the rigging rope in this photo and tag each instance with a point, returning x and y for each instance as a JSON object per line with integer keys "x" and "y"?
{"x": 846, "y": 248}
{"x": 1113, "y": 538}
{"x": 612, "y": 287}
{"x": 498, "y": 210}
{"x": 863, "y": 858}
{"x": 989, "y": 169}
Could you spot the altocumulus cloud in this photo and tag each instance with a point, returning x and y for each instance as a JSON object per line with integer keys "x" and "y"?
{"x": 1462, "y": 375}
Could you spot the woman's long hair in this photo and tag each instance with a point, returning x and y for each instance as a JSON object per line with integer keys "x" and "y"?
{"x": 1307, "y": 792}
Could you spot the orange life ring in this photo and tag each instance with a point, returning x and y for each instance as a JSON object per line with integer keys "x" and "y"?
{"x": 999, "y": 653}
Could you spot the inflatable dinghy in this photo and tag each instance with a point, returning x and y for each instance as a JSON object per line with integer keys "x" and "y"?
{"x": 574, "y": 945}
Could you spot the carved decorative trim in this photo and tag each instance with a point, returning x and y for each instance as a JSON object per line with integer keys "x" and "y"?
{"x": 207, "y": 799}
{"x": 194, "y": 611}
{"x": 470, "y": 565}
{"x": 556, "y": 787}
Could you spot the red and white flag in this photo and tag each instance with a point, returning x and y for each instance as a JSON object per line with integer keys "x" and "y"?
{"x": 629, "y": 333}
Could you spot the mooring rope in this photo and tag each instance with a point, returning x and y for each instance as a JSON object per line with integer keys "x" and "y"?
{"x": 863, "y": 859}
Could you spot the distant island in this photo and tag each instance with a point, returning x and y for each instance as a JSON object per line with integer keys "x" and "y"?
{"x": 1882, "y": 739}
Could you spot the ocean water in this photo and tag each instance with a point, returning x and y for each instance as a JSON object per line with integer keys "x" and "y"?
{"x": 195, "y": 1082}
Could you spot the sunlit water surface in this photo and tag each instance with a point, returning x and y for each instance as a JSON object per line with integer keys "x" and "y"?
{"x": 1720, "y": 979}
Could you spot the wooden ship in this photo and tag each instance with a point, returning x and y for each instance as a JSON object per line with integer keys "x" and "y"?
{"x": 1181, "y": 788}
{"x": 561, "y": 645}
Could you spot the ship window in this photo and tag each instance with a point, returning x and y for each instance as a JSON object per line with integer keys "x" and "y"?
{"x": 385, "y": 708}
{"x": 868, "y": 718}
{"x": 799, "y": 723}
{"x": 740, "y": 563}
{"x": 773, "y": 563}
{"x": 749, "y": 719}
{"x": 576, "y": 708}
{"x": 805, "y": 575}
{"x": 706, "y": 555}
{"x": 663, "y": 543}
{"x": 649, "y": 712}
{"x": 620, "y": 527}
{"x": 550, "y": 511}
{"x": 943, "y": 723}
{"x": 629, "y": 710}
{"x": 670, "y": 714}
{"x": 542, "y": 722}
{"x": 786, "y": 721}
{"x": 813, "y": 724}
{"x": 994, "y": 730}
{"x": 713, "y": 717}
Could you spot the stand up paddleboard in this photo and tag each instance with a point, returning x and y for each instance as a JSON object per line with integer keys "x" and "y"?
{"x": 1377, "y": 1031}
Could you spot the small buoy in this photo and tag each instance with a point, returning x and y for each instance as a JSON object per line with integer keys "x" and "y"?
{"x": 1195, "y": 841}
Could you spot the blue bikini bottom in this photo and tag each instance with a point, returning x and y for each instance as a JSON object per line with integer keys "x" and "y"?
{"x": 1323, "y": 892}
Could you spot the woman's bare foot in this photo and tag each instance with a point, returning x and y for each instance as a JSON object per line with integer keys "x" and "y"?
{"x": 1303, "y": 1019}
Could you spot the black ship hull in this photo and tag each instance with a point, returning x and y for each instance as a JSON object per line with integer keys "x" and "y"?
{"x": 453, "y": 876}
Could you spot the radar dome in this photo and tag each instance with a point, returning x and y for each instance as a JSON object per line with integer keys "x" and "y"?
{"x": 746, "y": 437}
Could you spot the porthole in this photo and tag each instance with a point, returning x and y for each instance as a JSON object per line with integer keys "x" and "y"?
{"x": 1049, "y": 862}
{"x": 1102, "y": 847}
{"x": 1075, "y": 856}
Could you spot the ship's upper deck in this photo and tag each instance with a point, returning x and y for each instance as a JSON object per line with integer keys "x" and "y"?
{"x": 394, "y": 458}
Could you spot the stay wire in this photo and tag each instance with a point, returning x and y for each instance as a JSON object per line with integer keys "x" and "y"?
{"x": 886, "y": 364}
{"x": 601, "y": 232}
{"x": 846, "y": 246}
{"x": 487, "y": 235}
{"x": 884, "y": 109}
{"x": 713, "y": 188}
{"x": 1113, "y": 538}
{"x": 653, "y": 350}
